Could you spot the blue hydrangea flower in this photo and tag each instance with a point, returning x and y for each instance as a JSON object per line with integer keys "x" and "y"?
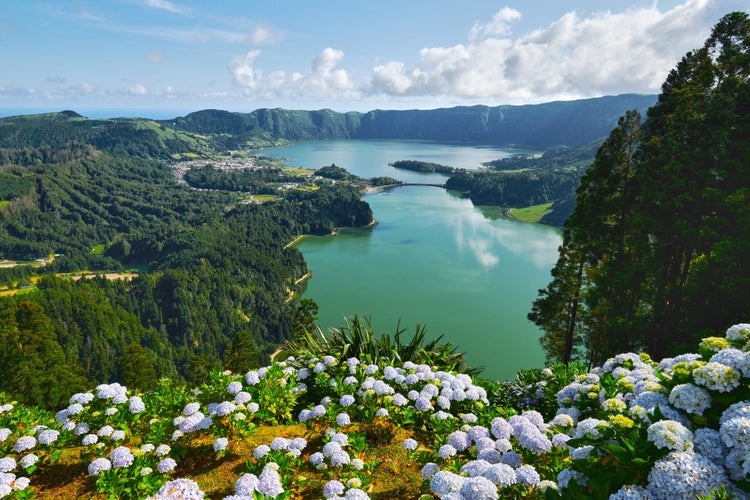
{"x": 252, "y": 378}
{"x": 527, "y": 475}
{"x": 340, "y": 458}
{"x": 459, "y": 440}
{"x": 333, "y": 488}
{"x": 220, "y": 444}
{"x": 683, "y": 474}
{"x": 399, "y": 400}
{"x": 261, "y": 451}
{"x": 191, "y": 408}
{"x": 24, "y": 443}
{"x": 500, "y": 428}
{"x": 166, "y": 465}
{"x": 423, "y": 404}
{"x": 279, "y": 443}
{"x": 631, "y": 492}
{"x": 7, "y": 464}
{"x": 99, "y": 465}
{"x": 224, "y": 408}
{"x": 121, "y": 457}
{"x": 690, "y": 398}
{"x": 410, "y": 444}
{"x": 501, "y": 475}
{"x": 89, "y": 439}
{"x": 446, "y": 451}
{"x": 246, "y": 484}
{"x": 28, "y": 460}
{"x": 269, "y": 481}
{"x": 474, "y": 468}
{"x": 183, "y": 488}
{"x": 428, "y": 470}
{"x": 242, "y": 397}
{"x": 342, "y": 419}
{"x": 48, "y": 436}
{"x": 136, "y": 405}
{"x": 317, "y": 458}
{"x": 444, "y": 482}
{"x": 478, "y": 488}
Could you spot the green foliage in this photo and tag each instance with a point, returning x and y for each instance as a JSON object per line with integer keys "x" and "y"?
{"x": 652, "y": 252}
{"x": 33, "y": 366}
{"x": 357, "y": 338}
{"x": 519, "y": 188}
{"x": 212, "y": 271}
{"x": 423, "y": 166}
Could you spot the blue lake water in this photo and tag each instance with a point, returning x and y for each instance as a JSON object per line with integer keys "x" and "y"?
{"x": 434, "y": 259}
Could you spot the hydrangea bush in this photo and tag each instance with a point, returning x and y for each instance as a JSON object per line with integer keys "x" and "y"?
{"x": 631, "y": 428}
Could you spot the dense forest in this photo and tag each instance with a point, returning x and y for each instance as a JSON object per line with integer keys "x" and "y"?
{"x": 655, "y": 252}
{"x": 210, "y": 280}
{"x": 537, "y": 126}
{"x": 206, "y": 276}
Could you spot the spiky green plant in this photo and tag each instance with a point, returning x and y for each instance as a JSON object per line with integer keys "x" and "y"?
{"x": 357, "y": 338}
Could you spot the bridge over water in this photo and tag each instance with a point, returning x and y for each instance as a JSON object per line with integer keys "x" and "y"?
{"x": 412, "y": 184}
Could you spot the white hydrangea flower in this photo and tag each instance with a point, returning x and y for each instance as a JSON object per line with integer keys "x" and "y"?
{"x": 690, "y": 398}
{"x": 671, "y": 435}
{"x": 717, "y": 377}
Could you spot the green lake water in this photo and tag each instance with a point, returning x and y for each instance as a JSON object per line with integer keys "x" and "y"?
{"x": 434, "y": 259}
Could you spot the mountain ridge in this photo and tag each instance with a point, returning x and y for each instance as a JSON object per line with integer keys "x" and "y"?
{"x": 566, "y": 123}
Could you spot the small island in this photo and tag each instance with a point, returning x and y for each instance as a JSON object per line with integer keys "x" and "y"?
{"x": 424, "y": 166}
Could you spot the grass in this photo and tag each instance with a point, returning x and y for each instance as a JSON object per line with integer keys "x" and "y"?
{"x": 396, "y": 476}
{"x": 261, "y": 198}
{"x": 533, "y": 213}
{"x": 3, "y": 203}
{"x": 298, "y": 171}
{"x": 98, "y": 249}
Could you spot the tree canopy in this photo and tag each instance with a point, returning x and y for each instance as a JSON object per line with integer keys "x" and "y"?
{"x": 654, "y": 254}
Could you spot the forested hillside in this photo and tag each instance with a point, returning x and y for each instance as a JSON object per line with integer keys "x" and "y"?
{"x": 570, "y": 123}
{"x": 211, "y": 282}
{"x": 655, "y": 254}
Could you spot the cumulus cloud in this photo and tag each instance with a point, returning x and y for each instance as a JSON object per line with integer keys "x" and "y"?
{"x": 261, "y": 35}
{"x": 572, "y": 57}
{"x": 138, "y": 90}
{"x": 16, "y": 92}
{"x": 499, "y": 26}
{"x": 323, "y": 80}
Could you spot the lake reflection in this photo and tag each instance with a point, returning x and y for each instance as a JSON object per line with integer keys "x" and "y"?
{"x": 433, "y": 259}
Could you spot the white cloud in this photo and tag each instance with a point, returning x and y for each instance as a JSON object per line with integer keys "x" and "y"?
{"x": 322, "y": 81}
{"x": 138, "y": 90}
{"x": 244, "y": 73}
{"x": 573, "y": 57}
{"x": 263, "y": 35}
{"x": 499, "y": 26}
{"x": 164, "y": 5}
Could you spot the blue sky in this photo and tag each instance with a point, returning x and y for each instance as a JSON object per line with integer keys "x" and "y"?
{"x": 240, "y": 55}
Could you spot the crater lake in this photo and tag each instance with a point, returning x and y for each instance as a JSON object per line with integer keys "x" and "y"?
{"x": 433, "y": 259}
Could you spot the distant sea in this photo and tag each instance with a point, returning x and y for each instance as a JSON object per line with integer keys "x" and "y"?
{"x": 99, "y": 113}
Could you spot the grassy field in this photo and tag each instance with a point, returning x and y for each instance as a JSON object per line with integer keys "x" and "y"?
{"x": 126, "y": 275}
{"x": 533, "y": 213}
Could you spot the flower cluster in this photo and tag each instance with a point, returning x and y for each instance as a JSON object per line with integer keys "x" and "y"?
{"x": 631, "y": 428}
